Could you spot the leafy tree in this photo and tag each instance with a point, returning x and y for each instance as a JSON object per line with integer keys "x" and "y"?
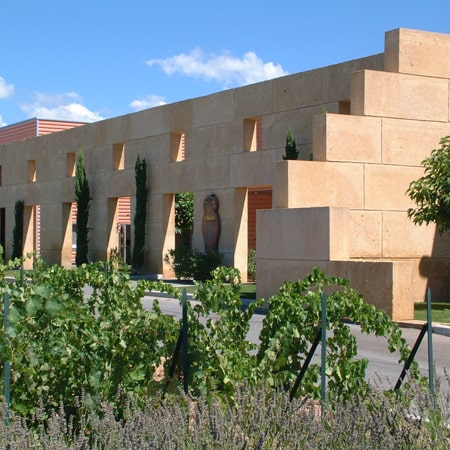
{"x": 18, "y": 229}
{"x": 184, "y": 212}
{"x": 291, "y": 147}
{"x": 140, "y": 216}
{"x": 83, "y": 198}
{"x": 431, "y": 192}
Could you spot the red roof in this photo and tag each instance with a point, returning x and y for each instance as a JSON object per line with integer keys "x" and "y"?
{"x": 33, "y": 127}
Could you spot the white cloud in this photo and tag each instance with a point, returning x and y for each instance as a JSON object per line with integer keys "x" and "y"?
{"x": 55, "y": 99}
{"x": 65, "y": 106}
{"x": 148, "y": 102}
{"x": 2, "y": 123}
{"x": 6, "y": 90}
{"x": 72, "y": 112}
{"x": 224, "y": 68}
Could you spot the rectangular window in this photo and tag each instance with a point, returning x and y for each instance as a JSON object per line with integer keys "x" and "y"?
{"x": 71, "y": 162}
{"x": 253, "y": 134}
{"x": 119, "y": 156}
{"x": 178, "y": 146}
{"x": 31, "y": 171}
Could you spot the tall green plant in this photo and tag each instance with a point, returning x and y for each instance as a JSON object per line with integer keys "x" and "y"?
{"x": 291, "y": 147}
{"x": 431, "y": 192}
{"x": 83, "y": 198}
{"x": 140, "y": 215}
{"x": 18, "y": 229}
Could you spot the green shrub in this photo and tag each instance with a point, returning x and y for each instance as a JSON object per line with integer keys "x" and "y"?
{"x": 204, "y": 265}
{"x": 192, "y": 264}
{"x": 293, "y": 322}
{"x": 222, "y": 357}
{"x": 63, "y": 343}
{"x": 181, "y": 260}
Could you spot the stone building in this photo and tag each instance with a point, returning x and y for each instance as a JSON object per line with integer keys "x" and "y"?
{"x": 363, "y": 128}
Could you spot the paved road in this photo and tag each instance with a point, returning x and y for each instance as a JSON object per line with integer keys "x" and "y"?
{"x": 383, "y": 369}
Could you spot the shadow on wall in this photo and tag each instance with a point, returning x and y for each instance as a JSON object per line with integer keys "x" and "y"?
{"x": 436, "y": 269}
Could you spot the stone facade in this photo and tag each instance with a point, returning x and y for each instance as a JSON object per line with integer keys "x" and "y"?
{"x": 366, "y": 124}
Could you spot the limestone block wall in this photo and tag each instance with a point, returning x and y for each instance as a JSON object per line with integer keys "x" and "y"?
{"x": 366, "y": 123}
{"x": 420, "y": 53}
{"x": 218, "y": 158}
{"x": 363, "y": 165}
{"x": 326, "y": 237}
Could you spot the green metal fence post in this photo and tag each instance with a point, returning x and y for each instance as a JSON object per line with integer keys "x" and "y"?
{"x": 7, "y": 363}
{"x": 323, "y": 390}
{"x": 430, "y": 343}
{"x": 185, "y": 345}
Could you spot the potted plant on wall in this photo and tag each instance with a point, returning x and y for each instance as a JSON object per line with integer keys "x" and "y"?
{"x": 291, "y": 147}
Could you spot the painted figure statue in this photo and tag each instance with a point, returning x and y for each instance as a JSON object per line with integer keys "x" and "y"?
{"x": 211, "y": 224}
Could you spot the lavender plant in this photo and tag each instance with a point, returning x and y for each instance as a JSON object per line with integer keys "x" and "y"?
{"x": 257, "y": 418}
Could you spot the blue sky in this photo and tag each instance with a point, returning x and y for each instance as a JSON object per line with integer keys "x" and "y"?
{"x": 89, "y": 60}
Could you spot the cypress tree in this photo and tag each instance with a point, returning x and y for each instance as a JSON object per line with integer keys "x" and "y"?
{"x": 18, "y": 229}
{"x": 83, "y": 198}
{"x": 140, "y": 215}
